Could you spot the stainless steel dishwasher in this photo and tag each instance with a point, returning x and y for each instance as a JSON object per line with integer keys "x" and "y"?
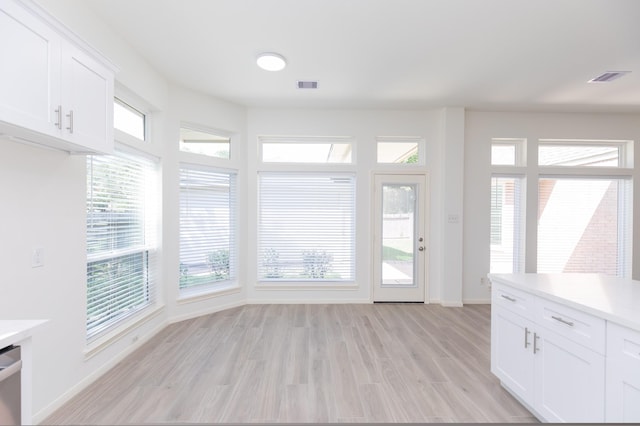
{"x": 10, "y": 389}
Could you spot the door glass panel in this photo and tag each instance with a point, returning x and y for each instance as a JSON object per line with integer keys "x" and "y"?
{"x": 398, "y": 230}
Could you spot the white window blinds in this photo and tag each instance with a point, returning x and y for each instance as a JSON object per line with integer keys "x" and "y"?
{"x": 207, "y": 226}
{"x": 507, "y": 223}
{"x": 584, "y": 225}
{"x": 306, "y": 227}
{"x": 121, "y": 237}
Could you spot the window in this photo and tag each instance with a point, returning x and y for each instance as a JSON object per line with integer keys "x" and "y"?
{"x": 506, "y": 224}
{"x": 581, "y": 153}
{"x": 128, "y": 119}
{"x": 584, "y": 225}
{"x": 207, "y": 227}
{"x": 306, "y": 227}
{"x": 507, "y": 152}
{"x": 121, "y": 238}
{"x": 584, "y": 211}
{"x": 399, "y": 150}
{"x": 205, "y": 143}
{"x": 307, "y": 150}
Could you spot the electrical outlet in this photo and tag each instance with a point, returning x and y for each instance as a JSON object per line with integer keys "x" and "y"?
{"x": 37, "y": 257}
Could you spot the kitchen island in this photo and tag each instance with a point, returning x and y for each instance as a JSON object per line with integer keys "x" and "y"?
{"x": 568, "y": 345}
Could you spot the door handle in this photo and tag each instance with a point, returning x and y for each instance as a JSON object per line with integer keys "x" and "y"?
{"x": 526, "y": 337}
{"x": 70, "y": 115}
{"x": 421, "y": 248}
{"x": 58, "y": 111}
{"x": 562, "y": 320}
{"x": 10, "y": 370}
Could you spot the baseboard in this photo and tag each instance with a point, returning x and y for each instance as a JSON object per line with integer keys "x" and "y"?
{"x": 207, "y": 311}
{"x": 476, "y": 301}
{"x": 85, "y": 382}
{"x": 455, "y": 304}
{"x": 307, "y": 301}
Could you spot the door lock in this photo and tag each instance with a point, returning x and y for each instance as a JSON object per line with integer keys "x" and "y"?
{"x": 421, "y": 248}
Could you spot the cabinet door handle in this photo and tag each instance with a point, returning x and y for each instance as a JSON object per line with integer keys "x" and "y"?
{"x": 510, "y": 299}
{"x": 526, "y": 337}
{"x": 535, "y": 342}
{"x": 564, "y": 321}
{"x": 59, "y": 112}
{"x": 70, "y": 115}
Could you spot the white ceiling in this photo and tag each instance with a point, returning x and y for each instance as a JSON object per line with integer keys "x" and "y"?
{"x": 406, "y": 54}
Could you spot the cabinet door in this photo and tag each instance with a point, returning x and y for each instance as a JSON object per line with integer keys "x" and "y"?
{"x": 623, "y": 374}
{"x": 30, "y": 70}
{"x": 87, "y": 96}
{"x": 623, "y": 391}
{"x": 512, "y": 352}
{"x": 570, "y": 380}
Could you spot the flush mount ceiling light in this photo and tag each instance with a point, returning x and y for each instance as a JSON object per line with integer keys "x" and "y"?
{"x": 270, "y": 61}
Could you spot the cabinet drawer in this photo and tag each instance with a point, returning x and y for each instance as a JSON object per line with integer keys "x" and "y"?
{"x": 580, "y": 327}
{"x": 623, "y": 342}
{"x": 514, "y": 300}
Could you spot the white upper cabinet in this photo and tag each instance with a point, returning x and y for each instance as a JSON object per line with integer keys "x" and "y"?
{"x": 55, "y": 90}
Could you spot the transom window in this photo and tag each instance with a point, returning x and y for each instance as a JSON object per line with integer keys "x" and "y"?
{"x": 507, "y": 152}
{"x": 307, "y": 150}
{"x": 212, "y": 144}
{"x": 406, "y": 150}
{"x": 582, "y": 153}
{"x": 129, "y": 120}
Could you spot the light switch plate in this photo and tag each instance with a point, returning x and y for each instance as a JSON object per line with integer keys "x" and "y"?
{"x": 37, "y": 257}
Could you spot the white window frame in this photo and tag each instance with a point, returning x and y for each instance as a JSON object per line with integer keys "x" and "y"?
{"x": 204, "y": 158}
{"x": 97, "y": 335}
{"x": 533, "y": 172}
{"x": 319, "y": 282}
{"x": 419, "y": 141}
{"x": 214, "y": 287}
{"x": 307, "y": 139}
{"x": 520, "y": 147}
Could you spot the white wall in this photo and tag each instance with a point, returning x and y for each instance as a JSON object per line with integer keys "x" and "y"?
{"x": 480, "y": 128}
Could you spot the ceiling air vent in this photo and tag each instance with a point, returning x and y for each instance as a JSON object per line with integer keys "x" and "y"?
{"x": 307, "y": 84}
{"x": 608, "y": 76}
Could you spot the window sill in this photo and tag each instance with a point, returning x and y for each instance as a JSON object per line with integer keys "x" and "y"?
{"x": 301, "y": 285}
{"x": 99, "y": 344}
{"x": 197, "y": 294}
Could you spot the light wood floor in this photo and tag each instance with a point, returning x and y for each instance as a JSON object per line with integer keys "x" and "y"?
{"x": 307, "y": 363}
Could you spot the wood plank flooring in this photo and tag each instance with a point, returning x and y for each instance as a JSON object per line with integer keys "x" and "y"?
{"x": 307, "y": 363}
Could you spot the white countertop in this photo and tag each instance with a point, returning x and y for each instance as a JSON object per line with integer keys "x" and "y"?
{"x": 13, "y": 331}
{"x": 614, "y": 299}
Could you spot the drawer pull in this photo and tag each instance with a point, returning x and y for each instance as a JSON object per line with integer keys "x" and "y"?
{"x": 564, "y": 321}
{"x": 526, "y": 337}
{"x": 510, "y": 299}
{"x": 535, "y": 343}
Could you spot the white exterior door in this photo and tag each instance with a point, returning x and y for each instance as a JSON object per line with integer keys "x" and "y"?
{"x": 399, "y": 238}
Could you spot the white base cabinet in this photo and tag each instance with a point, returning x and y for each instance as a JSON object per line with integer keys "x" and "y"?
{"x": 623, "y": 374}
{"x": 569, "y": 381}
{"x": 559, "y": 379}
{"x": 56, "y": 91}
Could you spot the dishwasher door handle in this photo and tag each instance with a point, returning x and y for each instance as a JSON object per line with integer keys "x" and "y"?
{"x": 10, "y": 370}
